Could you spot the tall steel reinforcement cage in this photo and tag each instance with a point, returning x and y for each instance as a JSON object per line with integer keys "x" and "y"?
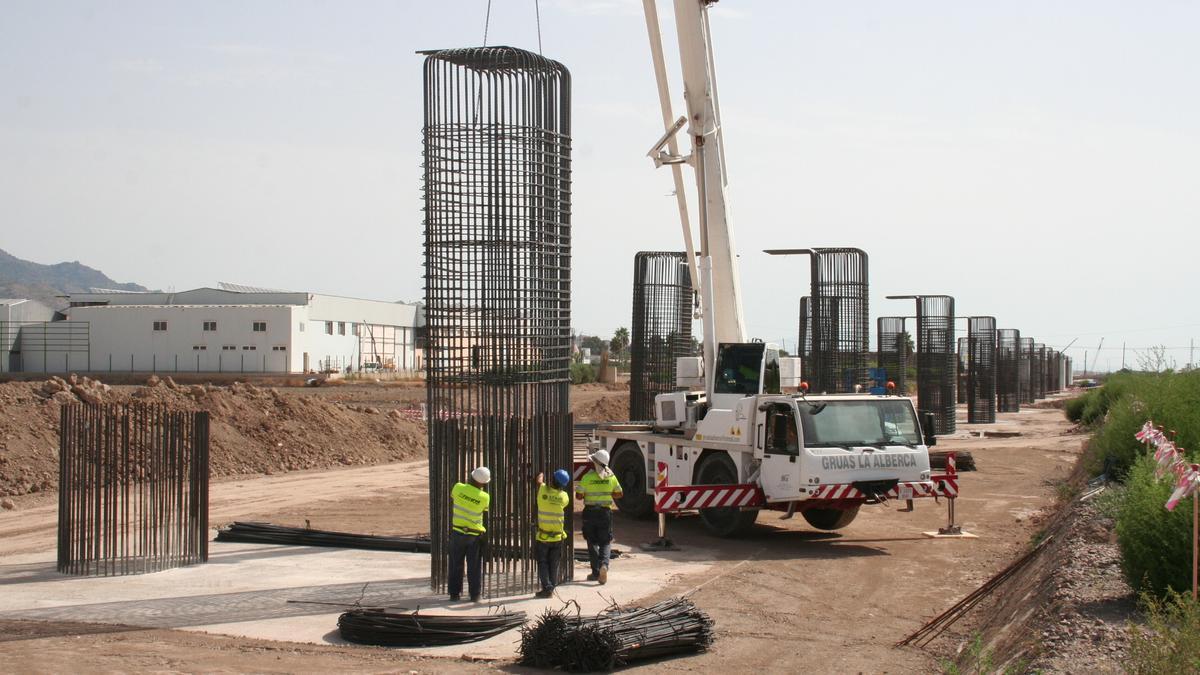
{"x": 1008, "y": 381}
{"x": 1026, "y": 370}
{"x": 981, "y": 370}
{"x": 961, "y": 380}
{"x": 132, "y": 489}
{"x": 838, "y": 318}
{"x": 892, "y": 342}
{"x": 1037, "y": 376}
{"x": 936, "y": 358}
{"x": 661, "y": 330}
{"x": 497, "y": 184}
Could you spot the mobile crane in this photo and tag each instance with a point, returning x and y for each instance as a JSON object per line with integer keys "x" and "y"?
{"x": 741, "y": 434}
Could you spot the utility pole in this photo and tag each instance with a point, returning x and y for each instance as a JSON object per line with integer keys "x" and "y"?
{"x": 1085, "y": 364}
{"x": 1192, "y": 354}
{"x": 1122, "y": 355}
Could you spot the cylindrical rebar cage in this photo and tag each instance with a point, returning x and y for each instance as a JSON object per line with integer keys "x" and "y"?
{"x": 1008, "y": 383}
{"x": 839, "y": 330}
{"x": 1037, "y": 377}
{"x": 661, "y": 327}
{"x": 892, "y": 341}
{"x": 961, "y": 380}
{"x": 132, "y": 489}
{"x": 497, "y": 294}
{"x": 981, "y": 370}
{"x": 936, "y": 360}
{"x": 1026, "y": 370}
{"x": 804, "y": 339}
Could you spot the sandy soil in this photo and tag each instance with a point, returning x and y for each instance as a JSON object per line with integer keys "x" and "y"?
{"x": 786, "y": 598}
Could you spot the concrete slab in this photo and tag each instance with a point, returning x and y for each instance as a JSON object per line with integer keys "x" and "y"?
{"x": 283, "y": 592}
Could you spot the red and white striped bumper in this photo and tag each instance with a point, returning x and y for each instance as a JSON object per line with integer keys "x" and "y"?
{"x": 938, "y": 486}
{"x": 668, "y": 499}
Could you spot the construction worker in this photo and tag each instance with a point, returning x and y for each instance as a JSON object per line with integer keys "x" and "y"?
{"x": 598, "y": 488}
{"x": 552, "y": 502}
{"x": 469, "y": 503}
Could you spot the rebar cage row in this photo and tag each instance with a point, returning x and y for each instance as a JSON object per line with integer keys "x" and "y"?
{"x": 661, "y": 330}
{"x": 1008, "y": 358}
{"x": 892, "y": 343}
{"x": 937, "y": 361}
{"x": 132, "y": 489}
{"x": 497, "y": 180}
{"x": 835, "y": 325}
{"x": 981, "y": 369}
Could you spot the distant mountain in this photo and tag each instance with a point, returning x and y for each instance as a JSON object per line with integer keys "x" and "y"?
{"x": 24, "y": 279}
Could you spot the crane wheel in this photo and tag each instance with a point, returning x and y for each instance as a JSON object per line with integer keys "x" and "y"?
{"x": 725, "y": 521}
{"x": 830, "y": 519}
{"x": 630, "y": 469}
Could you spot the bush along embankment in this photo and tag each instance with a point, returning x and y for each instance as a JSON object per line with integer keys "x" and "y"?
{"x": 1155, "y": 541}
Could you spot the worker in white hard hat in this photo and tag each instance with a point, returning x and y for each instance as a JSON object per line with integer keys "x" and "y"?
{"x": 598, "y": 488}
{"x": 468, "y": 504}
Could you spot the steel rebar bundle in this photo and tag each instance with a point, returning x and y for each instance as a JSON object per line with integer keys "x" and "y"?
{"x": 936, "y": 359}
{"x": 497, "y": 292}
{"x": 892, "y": 341}
{"x": 616, "y": 637}
{"x": 132, "y": 489}
{"x": 661, "y": 328}
{"x": 373, "y": 626}
{"x": 1008, "y": 379}
{"x": 981, "y": 370}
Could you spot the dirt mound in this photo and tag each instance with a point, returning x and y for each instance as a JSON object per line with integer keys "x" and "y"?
{"x": 253, "y": 429}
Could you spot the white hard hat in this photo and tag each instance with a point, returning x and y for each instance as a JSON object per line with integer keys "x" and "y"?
{"x": 600, "y": 457}
{"x": 481, "y": 475}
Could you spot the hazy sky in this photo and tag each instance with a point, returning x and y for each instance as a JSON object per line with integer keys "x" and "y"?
{"x": 1038, "y": 161}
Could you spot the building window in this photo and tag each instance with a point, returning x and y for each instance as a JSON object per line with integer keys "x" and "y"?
{"x": 199, "y": 348}
{"x": 260, "y": 326}
{"x": 210, "y": 326}
{"x": 249, "y": 348}
{"x": 160, "y": 326}
{"x": 279, "y": 348}
{"x": 329, "y": 328}
{"x": 301, "y": 326}
{"x": 341, "y": 328}
{"x": 228, "y": 348}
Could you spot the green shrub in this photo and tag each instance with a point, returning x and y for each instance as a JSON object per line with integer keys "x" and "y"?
{"x": 582, "y": 373}
{"x": 1156, "y": 547}
{"x": 1168, "y": 643}
{"x": 1119, "y": 408}
{"x": 1073, "y": 408}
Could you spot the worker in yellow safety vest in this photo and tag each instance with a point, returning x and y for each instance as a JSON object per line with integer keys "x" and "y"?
{"x": 552, "y": 503}
{"x": 468, "y": 504}
{"x": 598, "y": 488}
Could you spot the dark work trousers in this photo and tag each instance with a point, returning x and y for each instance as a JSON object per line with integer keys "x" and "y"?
{"x": 597, "y": 530}
{"x": 465, "y": 546}
{"x": 547, "y": 554}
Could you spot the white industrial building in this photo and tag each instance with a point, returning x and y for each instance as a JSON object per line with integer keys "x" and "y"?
{"x": 234, "y": 329}
{"x": 21, "y": 318}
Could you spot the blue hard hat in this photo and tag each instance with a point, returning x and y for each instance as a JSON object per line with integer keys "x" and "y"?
{"x": 562, "y": 478}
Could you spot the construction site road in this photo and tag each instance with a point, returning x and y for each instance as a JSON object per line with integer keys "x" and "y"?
{"x": 784, "y": 598}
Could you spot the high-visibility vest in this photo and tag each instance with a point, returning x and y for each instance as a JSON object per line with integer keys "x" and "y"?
{"x": 551, "y": 517}
{"x": 598, "y": 491}
{"x": 469, "y": 503}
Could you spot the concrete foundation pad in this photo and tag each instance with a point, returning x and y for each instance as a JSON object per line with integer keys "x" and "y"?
{"x": 295, "y": 593}
{"x": 961, "y": 535}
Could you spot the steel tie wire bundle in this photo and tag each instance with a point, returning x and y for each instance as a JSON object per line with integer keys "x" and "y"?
{"x": 661, "y": 327}
{"x": 1008, "y": 380}
{"x": 497, "y": 292}
{"x": 893, "y": 350}
{"x": 374, "y": 626}
{"x": 617, "y": 637}
{"x": 132, "y": 489}
{"x": 981, "y": 370}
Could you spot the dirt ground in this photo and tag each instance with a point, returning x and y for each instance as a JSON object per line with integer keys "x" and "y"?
{"x": 784, "y": 599}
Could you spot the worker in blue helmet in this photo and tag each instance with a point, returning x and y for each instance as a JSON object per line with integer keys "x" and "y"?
{"x": 552, "y": 502}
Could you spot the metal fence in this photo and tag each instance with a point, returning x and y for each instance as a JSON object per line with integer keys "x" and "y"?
{"x": 1008, "y": 380}
{"x": 936, "y": 358}
{"x": 892, "y": 342}
{"x": 661, "y": 330}
{"x": 981, "y": 370}
{"x": 132, "y": 489}
{"x": 45, "y": 346}
{"x": 497, "y": 274}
